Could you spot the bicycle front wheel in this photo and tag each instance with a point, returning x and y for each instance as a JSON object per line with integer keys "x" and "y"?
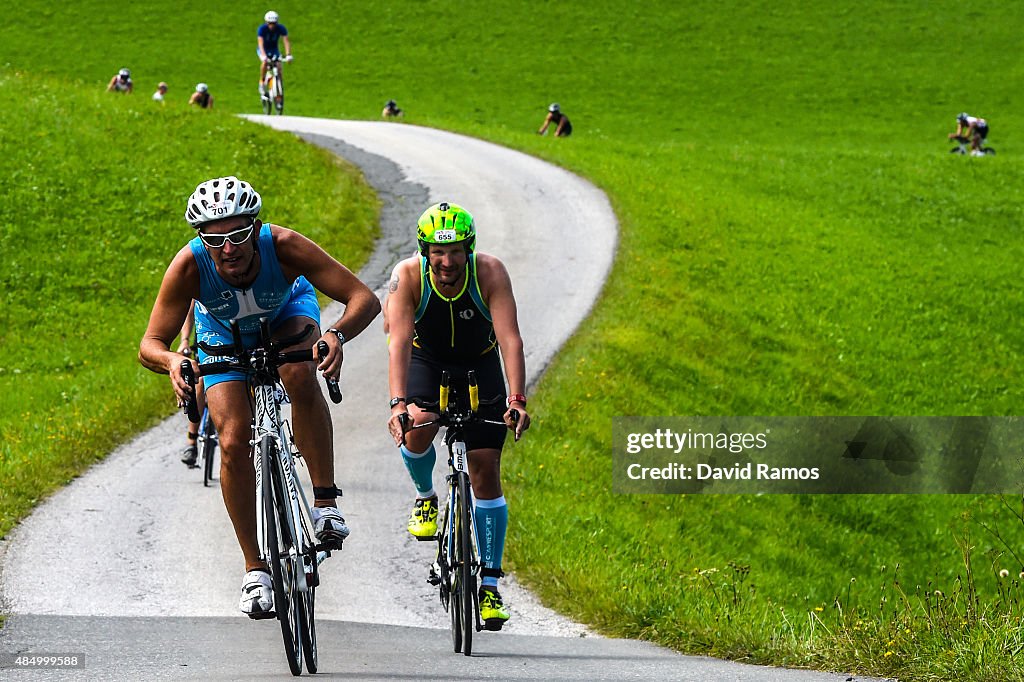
{"x": 464, "y": 565}
{"x": 279, "y": 95}
{"x": 267, "y": 98}
{"x": 309, "y": 623}
{"x": 284, "y": 560}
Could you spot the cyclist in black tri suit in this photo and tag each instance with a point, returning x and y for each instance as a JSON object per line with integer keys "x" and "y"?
{"x": 451, "y": 308}
{"x": 973, "y": 128}
{"x": 555, "y": 117}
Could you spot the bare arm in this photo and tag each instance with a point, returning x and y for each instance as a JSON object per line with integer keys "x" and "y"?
{"x": 287, "y": 46}
{"x": 403, "y": 297}
{"x": 301, "y": 256}
{"x": 185, "y": 336}
{"x": 179, "y": 287}
{"x": 496, "y": 287}
{"x": 259, "y": 45}
{"x": 544, "y": 127}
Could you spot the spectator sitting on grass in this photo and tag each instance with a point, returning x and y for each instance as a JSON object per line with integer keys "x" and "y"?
{"x": 202, "y": 97}
{"x": 122, "y": 82}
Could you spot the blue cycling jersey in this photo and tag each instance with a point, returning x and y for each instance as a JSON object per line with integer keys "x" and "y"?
{"x": 264, "y": 298}
{"x": 270, "y": 37}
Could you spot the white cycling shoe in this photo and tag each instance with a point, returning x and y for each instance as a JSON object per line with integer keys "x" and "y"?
{"x": 257, "y": 595}
{"x": 329, "y": 526}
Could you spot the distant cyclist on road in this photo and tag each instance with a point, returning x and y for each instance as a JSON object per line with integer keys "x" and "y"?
{"x": 451, "y": 308}
{"x": 202, "y": 97}
{"x": 972, "y": 128}
{"x": 555, "y": 117}
{"x": 267, "y": 37}
{"x": 240, "y": 268}
{"x": 121, "y": 82}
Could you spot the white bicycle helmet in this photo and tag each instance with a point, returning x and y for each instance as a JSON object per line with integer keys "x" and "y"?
{"x": 222, "y": 198}
{"x": 962, "y": 117}
{"x": 124, "y": 73}
{"x": 270, "y": 17}
{"x": 554, "y": 108}
{"x": 202, "y": 87}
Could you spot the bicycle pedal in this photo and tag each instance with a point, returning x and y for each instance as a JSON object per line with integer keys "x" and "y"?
{"x": 262, "y": 615}
{"x": 429, "y": 538}
{"x": 493, "y": 625}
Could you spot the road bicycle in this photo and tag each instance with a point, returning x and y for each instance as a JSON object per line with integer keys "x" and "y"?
{"x": 272, "y": 96}
{"x": 284, "y": 522}
{"x": 457, "y": 564}
{"x": 206, "y": 439}
{"x": 964, "y": 147}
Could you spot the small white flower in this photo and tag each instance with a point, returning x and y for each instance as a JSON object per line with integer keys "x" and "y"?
{"x": 1004, "y": 573}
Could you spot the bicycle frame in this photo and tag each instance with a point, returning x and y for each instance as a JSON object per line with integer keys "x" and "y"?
{"x": 274, "y": 86}
{"x": 269, "y": 424}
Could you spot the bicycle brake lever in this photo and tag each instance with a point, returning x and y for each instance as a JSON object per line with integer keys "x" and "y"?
{"x": 403, "y": 419}
{"x": 515, "y": 420}
{"x": 332, "y": 385}
{"x": 190, "y": 401}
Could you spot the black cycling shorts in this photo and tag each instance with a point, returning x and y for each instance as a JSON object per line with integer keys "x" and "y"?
{"x": 424, "y": 381}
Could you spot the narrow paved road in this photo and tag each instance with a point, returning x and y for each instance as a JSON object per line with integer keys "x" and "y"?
{"x": 135, "y": 564}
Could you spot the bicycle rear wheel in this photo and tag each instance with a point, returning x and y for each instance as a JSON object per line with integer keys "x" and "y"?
{"x": 207, "y": 446}
{"x": 288, "y": 601}
{"x": 464, "y": 565}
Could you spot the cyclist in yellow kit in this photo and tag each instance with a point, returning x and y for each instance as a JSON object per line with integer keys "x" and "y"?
{"x": 451, "y": 308}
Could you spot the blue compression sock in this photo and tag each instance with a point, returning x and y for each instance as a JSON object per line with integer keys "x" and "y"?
{"x": 421, "y": 468}
{"x": 491, "y": 524}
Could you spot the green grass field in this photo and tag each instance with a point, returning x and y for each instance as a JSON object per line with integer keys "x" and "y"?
{"x": 800, "y": 239}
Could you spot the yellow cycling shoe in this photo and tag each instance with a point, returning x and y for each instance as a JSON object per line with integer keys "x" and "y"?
{"x": 423, "y": 520}
{"x": 492, "y": 609}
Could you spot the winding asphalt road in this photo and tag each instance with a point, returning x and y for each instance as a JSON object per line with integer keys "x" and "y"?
{"x": 135, "y": 565}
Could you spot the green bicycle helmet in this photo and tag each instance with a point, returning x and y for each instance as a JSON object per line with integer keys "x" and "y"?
{"x": 445, "y": 223}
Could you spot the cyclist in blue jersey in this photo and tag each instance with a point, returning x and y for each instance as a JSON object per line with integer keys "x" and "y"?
{"x": 240, "y": 268}
{"x": 452, "y": 308}
{"x": 267, "y": 37}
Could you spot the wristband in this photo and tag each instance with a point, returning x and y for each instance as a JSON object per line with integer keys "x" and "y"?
{"x": 395, "y": 401}
{"x": 337, "y": 332}
{"x": 516, "y": 398}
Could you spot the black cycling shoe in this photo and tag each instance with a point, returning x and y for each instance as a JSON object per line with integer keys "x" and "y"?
{"x": 189, "y": 456}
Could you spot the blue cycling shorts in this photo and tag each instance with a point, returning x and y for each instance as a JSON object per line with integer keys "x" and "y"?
{"x": 270, "y": 53}
{"x": 212, "y": 331}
